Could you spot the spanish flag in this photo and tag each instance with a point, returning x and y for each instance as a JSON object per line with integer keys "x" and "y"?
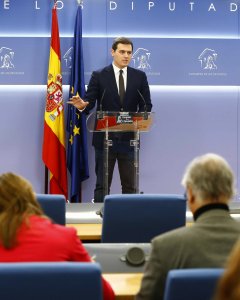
{"x": 54, "y": 152}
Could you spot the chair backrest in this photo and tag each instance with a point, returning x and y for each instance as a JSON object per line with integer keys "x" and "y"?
{"x": 189, "y": 284}
{"x": 137, "y": 218}
{"x": 54, "y": 206}
{"x": 114, "y": 258}
{"x": 50, "y": 281}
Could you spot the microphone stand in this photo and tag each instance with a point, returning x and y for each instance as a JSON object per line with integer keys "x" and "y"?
{"x": 100, "y": 112}
{"x": 145, "y": 114}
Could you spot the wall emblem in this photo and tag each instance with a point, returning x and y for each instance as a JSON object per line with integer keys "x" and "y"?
{"x": 6, "y": 58}
{"x": 208, "y": 59}
{"x": 141, "y": 58}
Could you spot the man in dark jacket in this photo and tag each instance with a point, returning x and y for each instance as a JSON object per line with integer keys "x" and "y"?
{"x": 207, "y": 243}
{"x": 116, "y": 88}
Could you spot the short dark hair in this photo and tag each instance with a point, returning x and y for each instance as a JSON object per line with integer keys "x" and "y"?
{"x": 121, "y": 40}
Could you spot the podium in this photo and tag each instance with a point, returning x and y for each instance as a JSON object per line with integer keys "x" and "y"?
{"x": 118, "y": 122}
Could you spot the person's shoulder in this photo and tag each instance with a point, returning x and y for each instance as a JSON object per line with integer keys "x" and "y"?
{"x": 173, "y": 236}
{"x": 104, "y": 69}
{"x": 135, "y": 71}
{"x": 46, "y": 224}
{"x": 70, "y": 231}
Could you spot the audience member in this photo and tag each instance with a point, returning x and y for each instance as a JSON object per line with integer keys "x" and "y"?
{"x": 229, "y": 285}
{"x": 209, "y": 184}
{"x": 27, "y": 235}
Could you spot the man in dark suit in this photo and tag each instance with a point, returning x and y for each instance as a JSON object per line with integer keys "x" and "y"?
{"x": 207, "y": 243}
{"x": 116, "y": 88}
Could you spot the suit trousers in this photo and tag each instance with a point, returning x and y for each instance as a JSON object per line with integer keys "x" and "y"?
{"x": 126, "y": 171}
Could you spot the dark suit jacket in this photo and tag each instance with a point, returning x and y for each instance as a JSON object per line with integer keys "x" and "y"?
{"x": 205, "y": 244}
{"x": 103, "y": 82}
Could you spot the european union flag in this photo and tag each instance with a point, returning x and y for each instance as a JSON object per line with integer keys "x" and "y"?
{"x": 77, "y": 156}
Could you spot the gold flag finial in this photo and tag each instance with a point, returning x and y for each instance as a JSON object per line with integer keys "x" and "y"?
{"x": 80, "y": 2}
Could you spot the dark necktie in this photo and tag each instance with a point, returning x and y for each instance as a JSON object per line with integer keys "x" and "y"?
{"x": 121, "y": 86}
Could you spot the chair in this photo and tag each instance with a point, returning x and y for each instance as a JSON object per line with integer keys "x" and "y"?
{"x": 54, "y": 206}
{"x": 50, "y": 281}
{"x": 189, "y": 284}
{"x": 114, "y": 258}
{"x": 137, "y": 218}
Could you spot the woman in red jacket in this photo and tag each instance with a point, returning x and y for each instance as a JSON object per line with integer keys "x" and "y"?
{"x": 27, "y": 235}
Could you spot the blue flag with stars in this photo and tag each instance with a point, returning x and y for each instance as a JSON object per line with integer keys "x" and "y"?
{"x": 77, "y": 155}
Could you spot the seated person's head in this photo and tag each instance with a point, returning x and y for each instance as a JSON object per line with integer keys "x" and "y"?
{"x": 17, "y": 202}
{"x": 208, "y": 179}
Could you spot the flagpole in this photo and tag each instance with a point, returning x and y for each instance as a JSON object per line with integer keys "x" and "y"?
{"x": 46, "y": 181}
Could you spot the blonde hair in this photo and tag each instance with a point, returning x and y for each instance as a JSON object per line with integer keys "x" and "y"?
{"x": 229, "y": 284}
{"x": 17, "y": 203}
{"x": 210, "y": 177}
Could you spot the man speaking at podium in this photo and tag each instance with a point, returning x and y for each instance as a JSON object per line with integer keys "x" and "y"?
{"x": 116, "y": 88}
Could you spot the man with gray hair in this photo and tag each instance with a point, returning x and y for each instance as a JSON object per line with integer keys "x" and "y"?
{"x": 209, "y": 184}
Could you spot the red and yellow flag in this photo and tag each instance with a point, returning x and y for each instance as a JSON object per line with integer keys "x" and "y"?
{"x": 54, "y": 152}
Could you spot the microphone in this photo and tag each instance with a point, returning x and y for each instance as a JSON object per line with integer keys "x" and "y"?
{"x": 145, "y": 114}
{"x": 100, "y": 112}
{"x": 100, "y": 212}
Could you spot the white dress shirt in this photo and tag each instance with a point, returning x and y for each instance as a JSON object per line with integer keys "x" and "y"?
{"x": 116, "y": 72}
